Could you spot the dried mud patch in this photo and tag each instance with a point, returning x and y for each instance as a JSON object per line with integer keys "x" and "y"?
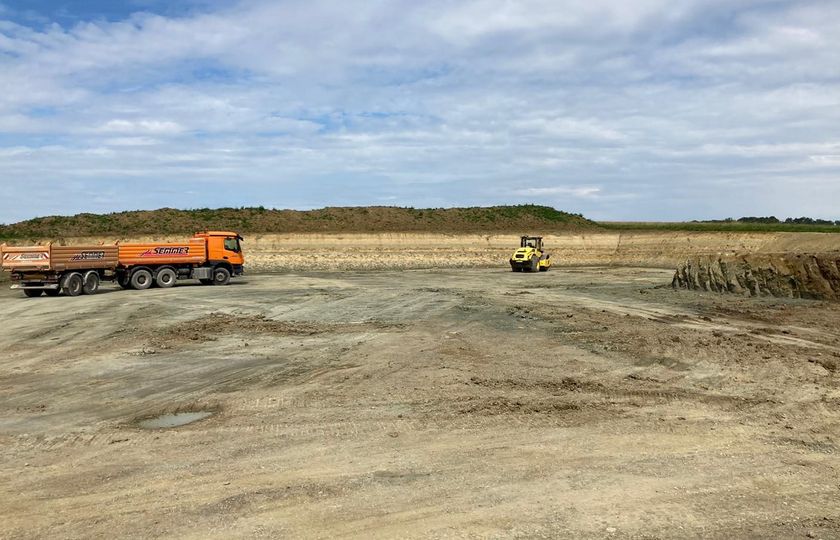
{"x": 257, "y": 498}
{"x": 821, "y": 447}
{"x": 718, "y": 334}
{"x": 638, "y": 393}
{"x": 216, "y": 324}
{"x": 564, "y": 385}
{"x": 501, "y": 405}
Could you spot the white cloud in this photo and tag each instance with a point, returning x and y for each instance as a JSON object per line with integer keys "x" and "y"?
{"x": 568, "y": 128}
{"x": 826, "y": 159}
{"x": 162, "y": 127}
{"x": 582, "y": 191}
{"x": 130, "y": 141}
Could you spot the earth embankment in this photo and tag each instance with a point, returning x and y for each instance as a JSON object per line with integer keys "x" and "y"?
{"x": 356, "y": 251}
{"x": 815, "y": 276}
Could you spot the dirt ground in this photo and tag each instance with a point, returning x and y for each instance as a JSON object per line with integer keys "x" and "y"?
{"x": 466, "y": 403}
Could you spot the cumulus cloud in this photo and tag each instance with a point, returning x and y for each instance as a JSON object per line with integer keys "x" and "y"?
{"x": 140, "y": 126}
{"x": 581, "y": 191}
{"x": 692, "y": 109}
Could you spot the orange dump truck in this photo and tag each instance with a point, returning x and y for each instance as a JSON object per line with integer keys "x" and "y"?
{"x": 212, "y": 257}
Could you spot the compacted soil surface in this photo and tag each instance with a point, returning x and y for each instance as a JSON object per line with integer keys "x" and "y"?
{"x": 466, "y": 403}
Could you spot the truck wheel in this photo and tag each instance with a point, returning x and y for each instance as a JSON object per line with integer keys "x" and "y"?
{"x": 166, "y": 278}
{"x": 221, "y": 276}
{"x": 141, "y": 279}
{"x": 73, "y": 284}
{"x": 33, "y": 293}
{"x": 123, "y": 281}
{"x": 91, "y": 283}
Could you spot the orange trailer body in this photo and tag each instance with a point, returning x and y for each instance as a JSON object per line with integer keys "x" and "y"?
{"x": 52, "y": 258}
{"x": 193, "y": 251}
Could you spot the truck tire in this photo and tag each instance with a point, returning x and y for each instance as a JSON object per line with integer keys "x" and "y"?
{"x": 72, "y": 284}
{"x": 33, "y": 293}
{"x": 166, "y": 278}
{"x": 141, "y": 279}
{"x": 91, "y": 283}
{"x": 221, "y": 276}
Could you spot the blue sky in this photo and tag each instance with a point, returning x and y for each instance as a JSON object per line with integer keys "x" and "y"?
{"x": 638, "y": 110}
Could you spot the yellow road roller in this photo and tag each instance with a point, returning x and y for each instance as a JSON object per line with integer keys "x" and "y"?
{"x": 530, "y": 256}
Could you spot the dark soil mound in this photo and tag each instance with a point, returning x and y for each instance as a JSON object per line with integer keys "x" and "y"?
{"x": 814, "y": 276}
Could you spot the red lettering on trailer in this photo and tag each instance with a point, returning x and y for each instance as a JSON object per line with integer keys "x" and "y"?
{"x": 167, "y": 252}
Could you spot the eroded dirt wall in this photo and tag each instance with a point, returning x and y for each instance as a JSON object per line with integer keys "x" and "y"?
{"x": 278, "y": 252}
{"x": 814, "y": 276}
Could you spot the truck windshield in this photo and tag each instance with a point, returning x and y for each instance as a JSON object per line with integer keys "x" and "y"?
{"x": 232, "y": 244}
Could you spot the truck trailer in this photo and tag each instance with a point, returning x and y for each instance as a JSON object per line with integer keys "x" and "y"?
{"x": 212, "y": 257}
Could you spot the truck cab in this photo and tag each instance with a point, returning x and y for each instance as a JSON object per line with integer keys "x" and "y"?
{"x": 224, "y": 248}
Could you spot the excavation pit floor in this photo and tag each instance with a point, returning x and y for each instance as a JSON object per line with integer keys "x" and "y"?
{"x": 581, "y": 402}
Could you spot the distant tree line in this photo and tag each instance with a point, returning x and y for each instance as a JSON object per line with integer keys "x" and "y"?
{"x": 775, "y": 220}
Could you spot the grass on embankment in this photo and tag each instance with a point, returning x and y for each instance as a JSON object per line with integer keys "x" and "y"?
{"x": 524, "y": 218}
{"x": 519, "y": 219}
{"x": 706, "y": 226}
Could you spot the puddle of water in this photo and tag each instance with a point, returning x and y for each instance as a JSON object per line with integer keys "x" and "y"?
{"x": 173, "y": 420}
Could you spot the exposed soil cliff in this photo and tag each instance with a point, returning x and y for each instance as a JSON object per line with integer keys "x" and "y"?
{"x": 789, "y": 275}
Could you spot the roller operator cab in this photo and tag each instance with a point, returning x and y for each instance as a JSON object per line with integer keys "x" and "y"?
{"x": 530, "y": 257}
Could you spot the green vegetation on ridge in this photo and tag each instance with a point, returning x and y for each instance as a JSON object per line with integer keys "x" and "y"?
{"x": 717, "y": 226}
{"x": 528, "y": 218}
{"x": 328, "y": 220}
